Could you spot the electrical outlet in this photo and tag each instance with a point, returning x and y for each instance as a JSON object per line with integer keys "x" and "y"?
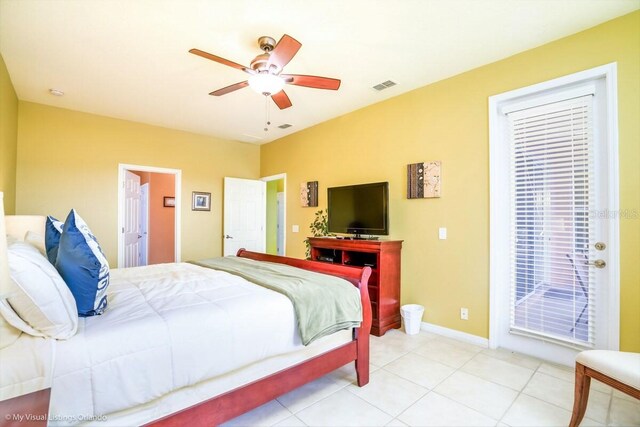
{"x": 442, "y": 233}
{"x": 295, "y": 228}
{"x": 464, "y": 313}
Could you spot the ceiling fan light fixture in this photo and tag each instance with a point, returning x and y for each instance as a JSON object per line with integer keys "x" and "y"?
{"x": 266, "y": 84}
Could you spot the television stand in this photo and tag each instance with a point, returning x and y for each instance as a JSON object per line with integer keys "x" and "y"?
{"x": 383, "y": 256}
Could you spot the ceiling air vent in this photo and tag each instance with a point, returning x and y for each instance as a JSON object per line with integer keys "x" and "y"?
{"x": 384, "y": 85}
{"x": 284, "y": 126}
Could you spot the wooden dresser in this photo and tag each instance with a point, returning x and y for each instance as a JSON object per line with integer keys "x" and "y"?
{"x": 383, "y": 256}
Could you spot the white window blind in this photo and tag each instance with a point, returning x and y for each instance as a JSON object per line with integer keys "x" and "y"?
{"x": 552, "y": 195}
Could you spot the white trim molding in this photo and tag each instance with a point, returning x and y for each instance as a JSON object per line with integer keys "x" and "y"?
{"x": 122, "y": 167}
{"x": 455, "y": 334}
{"x": 499, "y": 187}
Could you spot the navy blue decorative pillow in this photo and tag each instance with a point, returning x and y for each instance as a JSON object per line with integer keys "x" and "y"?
{"x": 83, "y": 266}
{"x": 52, "y": 232}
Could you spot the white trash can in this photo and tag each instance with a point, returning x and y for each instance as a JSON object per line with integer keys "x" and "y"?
{"x": 412, "y": 317}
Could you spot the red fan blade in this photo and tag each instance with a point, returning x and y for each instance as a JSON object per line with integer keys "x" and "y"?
{"x": 286, "y": 49}
{"x": 221, "y": 60}
{"x": 230, "y": 88}
{"x": 281, "y": 99}
{"x": 316, "y": 82}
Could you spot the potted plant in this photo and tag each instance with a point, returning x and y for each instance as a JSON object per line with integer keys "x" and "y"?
{"x": 319, "y": 228}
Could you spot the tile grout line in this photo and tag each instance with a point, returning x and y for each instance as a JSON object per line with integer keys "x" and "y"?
{"x": 607, "y": 418}
{"x": 319, "y": 400}
{"x": 551, "y": 403}
{"x": 499, "y": 419}
{"x": 556, "y": 405}
{"x": 520, "y": 392}
{"x": 432, "y": 390}
{"x": 429, "y": 390}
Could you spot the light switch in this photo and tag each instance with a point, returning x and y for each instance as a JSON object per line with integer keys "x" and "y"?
{"x": 442, "y": 233}
{"x": 295, "y": 228}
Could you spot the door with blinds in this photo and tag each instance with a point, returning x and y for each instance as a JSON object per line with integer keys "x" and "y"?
{"x": 556, "y": 299}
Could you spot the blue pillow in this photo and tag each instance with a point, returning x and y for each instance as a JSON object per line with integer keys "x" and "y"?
{"x": 83, "y": 266}
{"x": 52, "y": 232}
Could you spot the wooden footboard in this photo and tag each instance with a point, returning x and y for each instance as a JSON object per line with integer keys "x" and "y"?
{"x": 240, "y": 400}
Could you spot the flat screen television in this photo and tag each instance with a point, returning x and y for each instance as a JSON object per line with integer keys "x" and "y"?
{"x": 359, "y": 209}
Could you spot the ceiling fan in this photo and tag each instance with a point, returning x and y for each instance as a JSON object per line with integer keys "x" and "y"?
{"x": 266, "y": 71}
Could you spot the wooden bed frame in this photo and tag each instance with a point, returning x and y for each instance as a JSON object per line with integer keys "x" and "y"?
{"x": 240, "y": 400}
{"x": 235, "y": 402}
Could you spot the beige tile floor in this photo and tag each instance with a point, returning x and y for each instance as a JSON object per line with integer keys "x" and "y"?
{"x": 430, "y": 380}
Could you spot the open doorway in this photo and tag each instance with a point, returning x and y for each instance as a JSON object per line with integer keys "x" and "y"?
{"x": 148, "y": 215}
{"x": 276, "y": 212}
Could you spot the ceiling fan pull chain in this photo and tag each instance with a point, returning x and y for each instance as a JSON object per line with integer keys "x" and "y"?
{"x": 266, "y": 113}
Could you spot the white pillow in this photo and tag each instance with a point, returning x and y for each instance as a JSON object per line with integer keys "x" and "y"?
{"x": 37, "y": 240}
{"x": 43, "y": 301}
{"x": 10, "y": 316}
{"x": 8, "y": 333}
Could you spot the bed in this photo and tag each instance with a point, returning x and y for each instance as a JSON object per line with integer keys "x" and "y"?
{"x": 179, "y": 343}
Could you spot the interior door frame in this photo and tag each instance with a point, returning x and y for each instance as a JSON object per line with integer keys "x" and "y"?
{"x": 177, "y": 173}
{"x": 145, "y": 233}
{"x": 499, "y": 206}
{"x": 281, "y": 231}
{"x": 276, "y": 177}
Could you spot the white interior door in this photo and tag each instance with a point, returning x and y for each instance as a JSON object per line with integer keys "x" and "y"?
{"x": 245, "y": 215}
{"x": 280, "y": 224}
{"x": 144, "y": 224}
{"x": 131, "y": 219}
{"x": 554, "y": 262}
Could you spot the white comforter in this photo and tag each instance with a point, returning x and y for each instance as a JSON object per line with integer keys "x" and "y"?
{"x": 167, "y": 326}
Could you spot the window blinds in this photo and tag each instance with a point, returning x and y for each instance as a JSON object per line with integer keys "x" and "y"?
{"x": 552, "y": 196}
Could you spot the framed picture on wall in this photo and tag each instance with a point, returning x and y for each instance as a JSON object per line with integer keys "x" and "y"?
{"x": 169, "y": 202}
{"x": 201, "y": 201}
{"x": 309, "y": 194}
{"x": 424, "y": 180}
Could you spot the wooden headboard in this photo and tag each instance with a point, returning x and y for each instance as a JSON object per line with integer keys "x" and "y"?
{"x": 4, "y": 263}
{"x": 18, "y": 225}
{"x": 15, "y": 226}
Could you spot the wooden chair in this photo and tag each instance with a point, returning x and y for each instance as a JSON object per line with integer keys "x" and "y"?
{"x": 617, "y": 369}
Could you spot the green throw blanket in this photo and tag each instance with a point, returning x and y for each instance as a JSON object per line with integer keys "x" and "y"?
{"x": 323, "y": 304}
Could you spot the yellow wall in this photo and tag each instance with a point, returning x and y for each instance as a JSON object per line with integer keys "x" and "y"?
{"x": 448, "y": 121}
{"x": 68, "y": 159}
{"x": 8, "y": 139}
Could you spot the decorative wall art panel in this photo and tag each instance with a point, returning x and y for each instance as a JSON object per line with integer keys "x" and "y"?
{"x": 309, "y": 194}
{"x": 424, "y": 180}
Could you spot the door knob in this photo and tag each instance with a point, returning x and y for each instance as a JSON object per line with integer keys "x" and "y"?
{"x": 599, "y": 263}
{"x": 228, "y": 237}
{"x": 600, "y": 246}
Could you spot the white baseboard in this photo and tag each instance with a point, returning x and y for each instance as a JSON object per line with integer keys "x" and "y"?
{"x": 458, "y": 335}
